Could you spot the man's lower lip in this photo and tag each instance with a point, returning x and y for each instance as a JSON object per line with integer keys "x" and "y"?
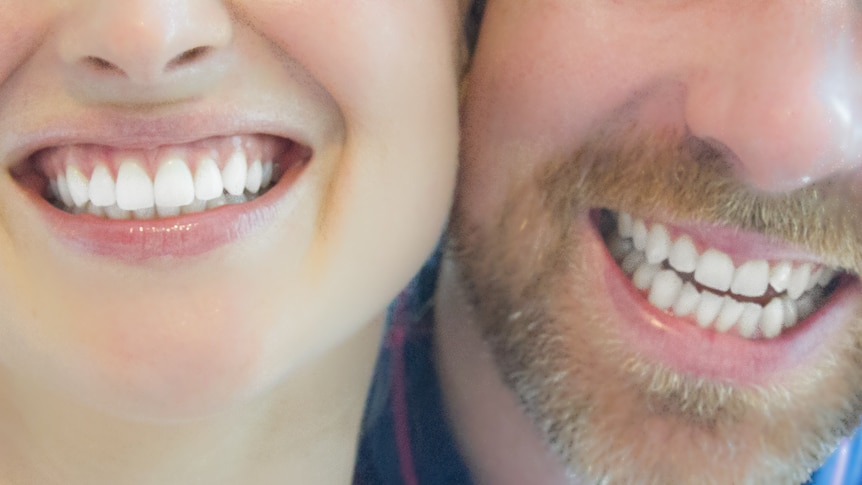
{"x": 182, "y": 236}
{"x": 680, "y": 344}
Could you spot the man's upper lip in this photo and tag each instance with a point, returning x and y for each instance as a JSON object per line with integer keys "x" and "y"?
{"x": 141, "y": 132}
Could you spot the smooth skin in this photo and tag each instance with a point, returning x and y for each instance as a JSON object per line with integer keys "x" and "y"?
{"x": 248, "y": 363}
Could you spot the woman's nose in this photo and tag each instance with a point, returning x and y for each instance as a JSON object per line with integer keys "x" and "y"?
{"x": 144, "y": 51}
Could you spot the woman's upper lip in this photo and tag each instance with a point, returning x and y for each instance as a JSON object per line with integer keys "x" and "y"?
{"x": 136, "y": 132}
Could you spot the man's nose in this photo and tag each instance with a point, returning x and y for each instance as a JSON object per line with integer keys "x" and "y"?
{"x": 144, "y": 51}
{"x": 782, "y": 95}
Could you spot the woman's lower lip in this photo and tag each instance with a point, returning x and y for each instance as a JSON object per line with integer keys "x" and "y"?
{"x": 680, "y": 344}
{"x": 136, "y": 241}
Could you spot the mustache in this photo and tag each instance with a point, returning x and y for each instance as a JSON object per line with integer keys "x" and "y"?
{"x": 669, "y": 174}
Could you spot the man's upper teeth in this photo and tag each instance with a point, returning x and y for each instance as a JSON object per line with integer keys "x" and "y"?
{"x": 174, "y": 189}
{"x": 715, "y": 269}
{"x": 667, "y": 269}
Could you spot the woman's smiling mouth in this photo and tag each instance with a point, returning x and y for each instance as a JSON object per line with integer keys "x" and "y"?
{"x": 136, "y": 204}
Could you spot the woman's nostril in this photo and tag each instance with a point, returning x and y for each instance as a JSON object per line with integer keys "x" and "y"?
{"x": 99, "y": 64}
{"x": 188, "y": 57}
{"x": 151, "y": 51}
{"x": 184, "y": 59}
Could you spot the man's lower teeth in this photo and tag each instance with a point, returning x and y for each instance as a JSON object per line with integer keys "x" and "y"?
{"x": 763, "y": 310}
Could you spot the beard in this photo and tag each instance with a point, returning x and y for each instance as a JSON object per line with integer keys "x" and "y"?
{"x": 614, "y": 416}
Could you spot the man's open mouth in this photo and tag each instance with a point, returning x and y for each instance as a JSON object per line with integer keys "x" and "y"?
{"x": 755, "y": 298}
{"x": 163, "y": 182}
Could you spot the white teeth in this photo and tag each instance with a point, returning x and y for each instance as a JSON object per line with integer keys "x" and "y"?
{"x": 632, "y": 262}
{"x": 730, "y": 312}
{"x": 624, "y": 225}
{"x": 620, "y": 248}
{"x": 114, "y": 212}
{"x": 779, "y": 276}
{"x": 714, "y": 270}
{"x": 798, "y": 282}
{"x": 134, "y": 187}
{"x": 95, "y": 210}
{"x": 657, "y": 244}
{"x": 266, "y": 178}
{"x": 63, "y": 191}
{"x": 683, "y": 255}
{"x": 772, "y": 318}
{"x": 173, "y": 187}
{"x": 660, "y": 266}
{"x": 789, "y": 312}
{"x": 254, "y": 177}
{"x": 235, "y": 199}
{"x": 173, "y": 191}
{"x": 687, "y": 302}
{"x": 643, "y": 276}
{"x": 751, "y": 278}
{"x": 234, "y": 174}
{"x": 102, "y": 191}
{"x": 217, "y": 202}
{"x": 143, "y": 214}
{"x": 167, "y": 211}
{"x": 815, "y": 278}
{"x": 197, "y": 205}
{"x": 78, "y": 185}
{"x": 708, "y": 308}
{"x": 208, "y": 182}
{"x": 665, "y": 289}
{"x": 639, "y": 235}
{"x": 749, "y": 318}
{"x": 805, "y": 306}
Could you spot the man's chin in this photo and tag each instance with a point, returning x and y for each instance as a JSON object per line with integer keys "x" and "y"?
{"x": 642, "y": 422}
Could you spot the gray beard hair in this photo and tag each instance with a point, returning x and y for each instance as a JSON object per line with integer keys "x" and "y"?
{"x": 611, "y": 415}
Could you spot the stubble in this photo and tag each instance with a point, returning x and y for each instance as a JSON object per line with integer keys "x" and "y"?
{"x": 612, "y": 415}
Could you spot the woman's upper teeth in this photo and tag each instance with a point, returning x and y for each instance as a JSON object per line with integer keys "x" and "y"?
{"x": 184, "y": 179}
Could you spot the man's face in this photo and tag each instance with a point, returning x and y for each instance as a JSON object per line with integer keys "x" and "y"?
{"x": 658, "y": 226}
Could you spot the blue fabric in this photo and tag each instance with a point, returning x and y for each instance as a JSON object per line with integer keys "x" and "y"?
{"x": 844, "y": 467}
{"x": 435, "y": 458}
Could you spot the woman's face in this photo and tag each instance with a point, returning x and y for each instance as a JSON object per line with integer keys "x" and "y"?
{"x": 148, "y": 267}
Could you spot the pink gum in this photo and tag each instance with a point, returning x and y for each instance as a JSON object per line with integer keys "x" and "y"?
{"x": 266, "y": 148}
{"x": 741, "y": 246}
